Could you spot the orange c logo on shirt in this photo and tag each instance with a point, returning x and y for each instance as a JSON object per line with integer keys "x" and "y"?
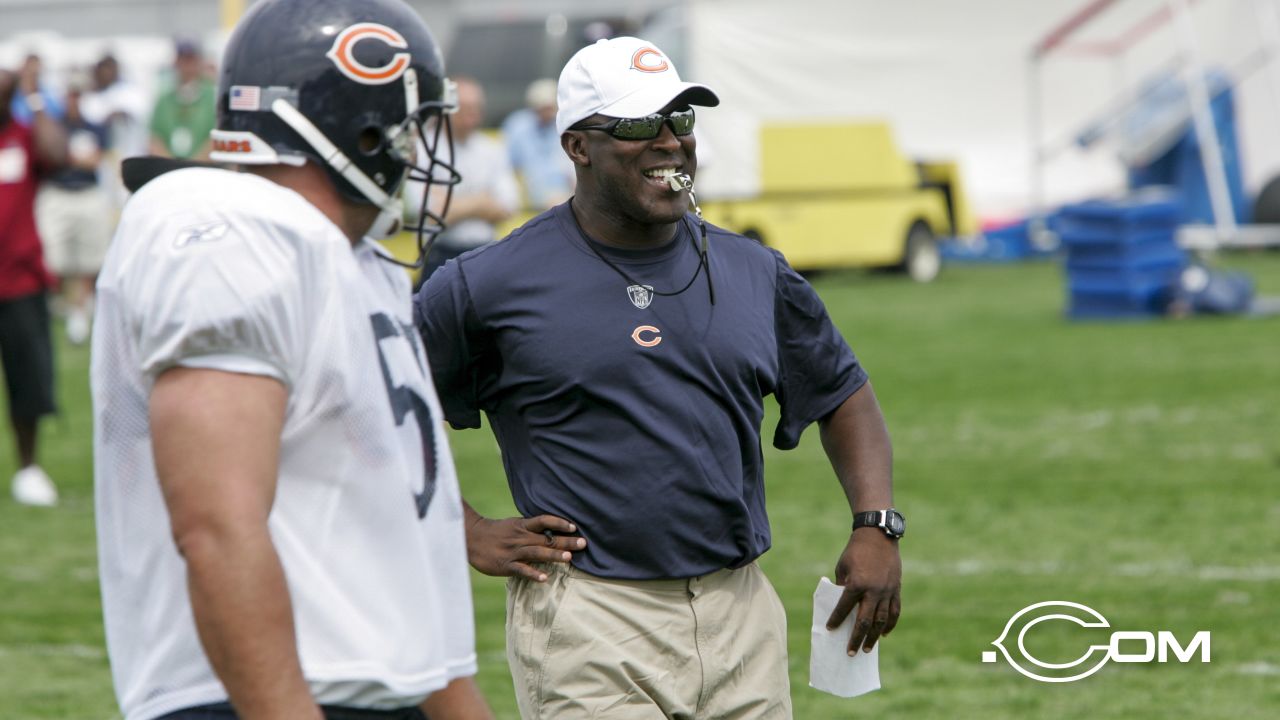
{"x": 648, "y": 60}
{"x": 343, "y": 54}
{"x": 637, "y": 335}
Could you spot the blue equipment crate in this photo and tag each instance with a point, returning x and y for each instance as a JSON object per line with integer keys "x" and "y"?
{"x": 1072, "y": 235}
{"x": 1116, "y": 218}
{"x": 1115, "y": 304}
{"x": 1139, "y": 248}
{"x": 1122, "y": 259}
{"x": 1127, "y": 257}
{"x": 1117, "y": 279}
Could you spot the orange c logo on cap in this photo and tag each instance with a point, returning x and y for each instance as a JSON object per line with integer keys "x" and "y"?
{"x": 648, "y": 60}
{"x": 649, "y": 342}
{"x": 343, "y": 54}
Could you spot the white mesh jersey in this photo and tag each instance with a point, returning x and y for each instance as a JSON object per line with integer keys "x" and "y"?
{"x": 215, "y": 269}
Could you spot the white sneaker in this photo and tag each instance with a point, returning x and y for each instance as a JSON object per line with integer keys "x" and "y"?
{"x": 77, "y": 327}
{"x": 31, "y": 486}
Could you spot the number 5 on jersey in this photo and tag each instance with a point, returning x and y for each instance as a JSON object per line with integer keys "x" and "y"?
{"x": 405, "y": 400}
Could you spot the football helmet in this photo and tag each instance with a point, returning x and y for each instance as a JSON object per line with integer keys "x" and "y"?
{"x": 356, "y": 86}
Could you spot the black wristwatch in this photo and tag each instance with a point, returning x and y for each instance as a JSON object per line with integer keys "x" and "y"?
{"x": 890, "y": 521}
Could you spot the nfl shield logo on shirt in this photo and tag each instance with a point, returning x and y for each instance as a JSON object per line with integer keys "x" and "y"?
{"x": 641, "y": 295}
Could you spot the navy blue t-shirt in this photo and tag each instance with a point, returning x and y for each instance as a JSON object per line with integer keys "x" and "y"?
{"x": 75, "y": 178}
{"x": 640, "y": 425}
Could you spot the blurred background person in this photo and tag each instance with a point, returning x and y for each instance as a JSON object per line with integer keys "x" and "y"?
{"x": 25, "y": 347}
{"x": 123, "y": 109}
{"x": 184, "y": 114}
{"x": 35, "y": 95}
{"x": 118, "y": 105}
{"x": 488, "y": 193}
{"x": 74, "y": 215}
{"x": 534, "y": 147}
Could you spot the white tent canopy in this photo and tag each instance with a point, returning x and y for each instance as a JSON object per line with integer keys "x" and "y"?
{"x": 952, "y": 79}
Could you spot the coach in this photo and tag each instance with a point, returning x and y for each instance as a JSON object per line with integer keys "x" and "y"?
{"x": 622, "y": 352}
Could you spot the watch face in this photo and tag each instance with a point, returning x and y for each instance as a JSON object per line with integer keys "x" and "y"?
{"x": 897, "y": 524}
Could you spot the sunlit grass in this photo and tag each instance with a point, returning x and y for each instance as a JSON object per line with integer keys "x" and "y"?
{"x": 1132, "y": 467}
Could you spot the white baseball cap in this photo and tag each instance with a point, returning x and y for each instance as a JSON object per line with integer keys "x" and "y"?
{"x": 622, "y": 77}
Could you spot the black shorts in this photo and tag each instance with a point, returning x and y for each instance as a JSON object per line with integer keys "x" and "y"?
{"x": 26, "y": 352}
{"x": 224, "y": 711}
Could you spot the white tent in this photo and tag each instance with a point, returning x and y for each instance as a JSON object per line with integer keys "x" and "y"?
{"x": 952, "y": 79}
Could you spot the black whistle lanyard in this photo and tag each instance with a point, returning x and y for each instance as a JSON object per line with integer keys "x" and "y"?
{"x": 704, "y": 261}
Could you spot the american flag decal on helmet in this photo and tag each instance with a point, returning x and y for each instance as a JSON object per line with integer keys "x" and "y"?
{"x": 245, "y": 97}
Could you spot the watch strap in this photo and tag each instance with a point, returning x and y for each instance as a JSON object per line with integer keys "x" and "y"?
{"x": 890, "y": 521}
{"x": 870, "y": 518}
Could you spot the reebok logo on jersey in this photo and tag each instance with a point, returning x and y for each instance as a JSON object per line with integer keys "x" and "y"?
{"x": 205, "y": 232}
{"x": 646, "y": 336}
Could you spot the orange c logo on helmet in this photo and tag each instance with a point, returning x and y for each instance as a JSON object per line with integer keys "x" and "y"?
{"x": 643, "y": 342}
{"x": 648, "y": 60}
{"x": 343, "y": 54}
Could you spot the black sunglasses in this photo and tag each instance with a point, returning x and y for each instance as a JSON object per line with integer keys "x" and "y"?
{"x": 647, "y": 127}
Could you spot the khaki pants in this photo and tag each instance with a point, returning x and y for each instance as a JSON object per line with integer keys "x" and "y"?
{"x": 708, "y": 647}
{"x": 75, "y": 227}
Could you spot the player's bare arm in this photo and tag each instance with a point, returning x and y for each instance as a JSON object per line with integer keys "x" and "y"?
{"x": 216, "y": 439}
{"x": 459, "y": 700}
{"x": 870, "y": 569}
{"x": 508, "y": 546}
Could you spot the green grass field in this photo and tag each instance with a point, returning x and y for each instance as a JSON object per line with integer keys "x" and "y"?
{"x": 1131, "y": 467}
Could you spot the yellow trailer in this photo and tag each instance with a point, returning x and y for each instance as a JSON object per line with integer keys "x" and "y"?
{"x": 841, "y": 194}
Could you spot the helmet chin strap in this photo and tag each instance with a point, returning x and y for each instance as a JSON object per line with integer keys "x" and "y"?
{"x": 391, "y": 217}
{"x": 386, "y": 224}
{"x": 388, "y": 218}
{"x": 391, "y": 212}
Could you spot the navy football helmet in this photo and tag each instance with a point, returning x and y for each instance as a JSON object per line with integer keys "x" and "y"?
{"x": 357, "y": 86}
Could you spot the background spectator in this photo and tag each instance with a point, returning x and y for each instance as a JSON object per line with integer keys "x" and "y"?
{"x": 122, "y": 108}
{"x": 118, "y": 105}
{"x": 22, "y": 107}
{"x": 25, "y": 348}
{"x": 488, "y": 193}
{"x": 184, "y": 114}
{"x": 534, "y": 147}
{"x": 74, "y": 215}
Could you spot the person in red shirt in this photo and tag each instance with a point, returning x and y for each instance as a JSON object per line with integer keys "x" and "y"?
{"x": 25, "y": 347}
